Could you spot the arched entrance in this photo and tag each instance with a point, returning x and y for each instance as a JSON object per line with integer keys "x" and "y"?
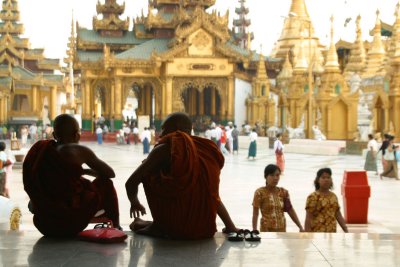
{"x": 139, "y": 104}
{"x": 203, "y": 105}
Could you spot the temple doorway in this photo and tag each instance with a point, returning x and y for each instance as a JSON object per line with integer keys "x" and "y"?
{"x": 203, "y": 106}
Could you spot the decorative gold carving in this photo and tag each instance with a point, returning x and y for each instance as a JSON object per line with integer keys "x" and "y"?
{"x": 128, "y": 70}
{"x": 180, "y": 84}
{"x": 201, "y": 40}
{"x": 15, "y": 219}
{"x": 201, "y": 66}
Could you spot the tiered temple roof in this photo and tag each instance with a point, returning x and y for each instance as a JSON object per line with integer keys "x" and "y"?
{"x": 17, "y": 59}
{"x": 242, "y": 35}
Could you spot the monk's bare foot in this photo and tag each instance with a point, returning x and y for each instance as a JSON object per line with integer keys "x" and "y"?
{"x": 151, "y": 230}
{"x": 138, "y": 224}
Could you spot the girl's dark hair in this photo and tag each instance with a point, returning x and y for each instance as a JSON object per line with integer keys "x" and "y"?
{"x": 319, "y": 174}
{"x": 271, "y": 169}
{"x": 2, "y": 146}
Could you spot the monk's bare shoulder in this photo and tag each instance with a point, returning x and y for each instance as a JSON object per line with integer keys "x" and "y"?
{"x": 75, "y": 152}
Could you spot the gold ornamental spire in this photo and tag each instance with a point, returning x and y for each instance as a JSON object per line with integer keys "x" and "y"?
{"x": 377, "y": 46}
{"x": 261, "y": 71}
{"x": 287, "y": 70}
{"x": 396, "y": 34}
{"x": 332, "y": 58}
{"x": 298, "y": 8}
{"x": 301, "y": 61}
{"x": 357, "y": 54}
{"x": 376, "y": 54}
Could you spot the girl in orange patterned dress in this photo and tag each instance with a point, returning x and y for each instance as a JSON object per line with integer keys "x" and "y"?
{"x": 322, "y": 206}
{"x": 273, "y": 201}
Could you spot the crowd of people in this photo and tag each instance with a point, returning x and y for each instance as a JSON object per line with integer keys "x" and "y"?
{"x": 180, "y": 178}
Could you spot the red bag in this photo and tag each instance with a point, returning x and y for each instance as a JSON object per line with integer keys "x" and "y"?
{"x": 103, "y": 234}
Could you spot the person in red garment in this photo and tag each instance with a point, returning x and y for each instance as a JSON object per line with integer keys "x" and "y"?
{"x": 62, "y": 201}
{"x": 181, "y": 182}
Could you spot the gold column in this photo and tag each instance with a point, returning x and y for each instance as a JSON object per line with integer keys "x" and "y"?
{"x": 34, "y": 100}
{"x": 53, "y": 102}
{"x": 2, "y": 110}
{"x": 148, "y": 100}
{"x": 231, "y": 96}
{"x": 118, "y": 99}
{"x": 112, "y": 99}
{"x": 213, "y": 101}
{"x": 5, "y": 108}
{"x": 168, "y": 95}
{"x": 164, "y": 100}
{"x": 201, "y": 102}
{"x": 87, "y": 97}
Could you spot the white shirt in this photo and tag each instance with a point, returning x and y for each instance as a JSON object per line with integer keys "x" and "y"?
{"x": 146, "y": 134}
{"x": 278, "y": 145}
{"x": 99, "y": 130}
{"x": 373, "y": 144}
{"x": 253, "y": 136}
{"x": 127, "y": 130}
{"x": 135, "y": 130}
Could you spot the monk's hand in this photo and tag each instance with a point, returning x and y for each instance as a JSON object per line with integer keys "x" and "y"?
{"x": 137, "y": 209}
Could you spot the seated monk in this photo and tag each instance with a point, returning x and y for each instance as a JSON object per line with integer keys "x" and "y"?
{"x": 181, "y": 182}
{"x": 62, "y": 201}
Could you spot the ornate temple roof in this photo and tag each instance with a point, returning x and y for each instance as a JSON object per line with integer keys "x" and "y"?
{"x": 146, "y": 49}
{"x": 110, "y": 23}
{"x": 15, "y": 54}
{"x": 92, "y": 36}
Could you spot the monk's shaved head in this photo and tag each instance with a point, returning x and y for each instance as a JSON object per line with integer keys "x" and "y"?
{"x": 177, "y": 121}
{"x": 65, "y": 127}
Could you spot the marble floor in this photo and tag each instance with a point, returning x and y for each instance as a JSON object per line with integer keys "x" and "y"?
{"x": 373, "y": 244}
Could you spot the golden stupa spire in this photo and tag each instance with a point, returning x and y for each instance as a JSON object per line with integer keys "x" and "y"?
{"x": 377, "y": 46}
{"x": 298, "y": 8}
{"x": 287, "y": 70}
{"x": 332, "y": 58}
{"x": 396, "y": 35}
{"x": 376, "y": 54}
{"x": 301, "y": 61}
{"x": 357, "y": 54}
{"x": 261, "y": 71}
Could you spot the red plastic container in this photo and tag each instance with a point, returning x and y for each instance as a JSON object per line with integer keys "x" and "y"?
{"x": 355, "y": 192}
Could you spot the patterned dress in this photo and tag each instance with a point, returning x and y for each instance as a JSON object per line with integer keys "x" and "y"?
{"x": 323, "y": 209}
{"x": 272, "y": 204}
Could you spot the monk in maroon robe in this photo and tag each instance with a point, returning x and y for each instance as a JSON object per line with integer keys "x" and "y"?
{"x": 62, "y": 201}
{"x": 181, "y": 182}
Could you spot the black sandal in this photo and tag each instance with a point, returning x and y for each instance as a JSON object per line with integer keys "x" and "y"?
{"x": 252, "y": 236}
{"x": 236, "y": 236}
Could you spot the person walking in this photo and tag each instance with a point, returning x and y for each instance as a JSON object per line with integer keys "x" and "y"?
{"x": 391, "y": 169}
{"x": 370, "y": 161}
{"x": 273, "y": 202}
{"x": 322, "y": 206}
{"x": 279, "y": 155}
{"x": 253, "y": 144}
{"x": 235, "y": 140}
{"x": 99, "y": 133}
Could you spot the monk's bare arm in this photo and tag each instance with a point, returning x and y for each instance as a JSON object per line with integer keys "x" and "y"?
{"x": 83, "y": 155}
{"x": 158, "y": 156}
{"x": 226, "y": 218}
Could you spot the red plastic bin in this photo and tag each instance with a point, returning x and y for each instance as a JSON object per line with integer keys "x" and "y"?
{"x": 356, "y": 192}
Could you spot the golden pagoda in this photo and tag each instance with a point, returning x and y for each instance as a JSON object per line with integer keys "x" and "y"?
{"x": 28, "y": 86}
{"x": 177, "y": 57}
{"x": 260, "y": 107}
{"x": 337, "y": 107}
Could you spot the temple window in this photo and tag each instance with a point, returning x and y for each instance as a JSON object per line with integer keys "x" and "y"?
{"x": 21, "y": 103}
{"x": 263, "y": 90}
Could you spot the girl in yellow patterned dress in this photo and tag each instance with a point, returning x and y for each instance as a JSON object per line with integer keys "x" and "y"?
{"x": 322, "y": 206}
{"x": 273, "y": 201}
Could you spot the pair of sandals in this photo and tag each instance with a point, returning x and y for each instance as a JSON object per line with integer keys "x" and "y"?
{"x": 253, "y": 236}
